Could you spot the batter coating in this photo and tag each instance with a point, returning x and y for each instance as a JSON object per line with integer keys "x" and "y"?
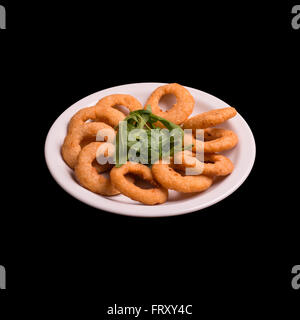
{"x": 214, "y": 165}
{"x": 217, "y": 165}
{"x": 170, "y": 179}
{"x": 105, "y": 111}
{"x": 87, "y": 174}
{"x": 215, "y": 140}
{"x": 209, "y": 119}
{"x": 156, "y": 195}
{"x": 72, "y": 143}
{"x": 81, "y": 117}
{"x": 180, "y": 111}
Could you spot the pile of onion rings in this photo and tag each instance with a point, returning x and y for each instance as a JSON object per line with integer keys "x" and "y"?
{"x": 183, "y": 172}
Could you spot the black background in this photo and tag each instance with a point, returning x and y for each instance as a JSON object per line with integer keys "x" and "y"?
{"x": 238, "y": 252}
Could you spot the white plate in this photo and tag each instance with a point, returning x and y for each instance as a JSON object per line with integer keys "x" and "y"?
{"x": 242, "y": 156}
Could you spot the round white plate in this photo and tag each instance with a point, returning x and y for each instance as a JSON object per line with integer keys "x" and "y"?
{"x": 243, "y": 156}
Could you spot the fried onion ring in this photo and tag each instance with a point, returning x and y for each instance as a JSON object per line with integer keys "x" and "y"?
{"x": 81, "y": 117}
{"x": 217, "y": 165}
{"x": 170, "y": 179}
{"x": 87, "y": 174}
{"x": 215, "y": 140}
{"x": 72, "y": 143}
{"x": 152, "y": 196}
{"x": 209, "y": 119}
{"x": 180, "y": 111}
{"x": 214, "y": 164}
{"x": 105, "y": 111}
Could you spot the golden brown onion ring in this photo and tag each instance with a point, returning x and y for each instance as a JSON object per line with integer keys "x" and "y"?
{"x": 81, "y": 117}
{"x": 217, "y": 165}
{"x": 72, "y": 143}
{"x": 105, "y": 111}
{"x": 215, "y": 140}
{"x": 214, "y": 164}
{"x": 170, "y": 179}
{"x": 152, "y": 196}
{"x": 180, "y": 111}
{"x": 209, "y": 119}
{"x": 87, "y": 174}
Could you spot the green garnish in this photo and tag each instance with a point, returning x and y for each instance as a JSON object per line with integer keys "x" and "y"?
{"x": 151, "y": 143}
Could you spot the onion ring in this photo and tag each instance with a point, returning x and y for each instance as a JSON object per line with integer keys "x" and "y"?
{"x": 81, "y": 117}
{"x": 180, "y": 111}
{"x": 170, "y": 179}
{"x": 105, "y": 111}
{"x": 217, "y": 140}
{"x": 87, "y": 174}
{"x": 156, "y": 195}
{"x": 209, "y": 119}
{"x": 71, "y": 147}
{"x": 218, "y": 165}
